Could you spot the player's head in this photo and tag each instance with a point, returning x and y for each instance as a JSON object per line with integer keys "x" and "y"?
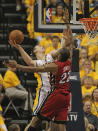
{"x": 38, "y": 49}
{"x": 64, "y": 55}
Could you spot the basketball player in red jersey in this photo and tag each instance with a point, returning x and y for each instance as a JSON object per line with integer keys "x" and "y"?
{"x": 56, "y": 105}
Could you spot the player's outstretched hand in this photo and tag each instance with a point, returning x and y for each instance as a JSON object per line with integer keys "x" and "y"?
{"x": 14, "y": 44}
{"x": 10, "y": 63}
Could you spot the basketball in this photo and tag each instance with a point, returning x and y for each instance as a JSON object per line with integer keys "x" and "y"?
{"x": 17, "y": 36}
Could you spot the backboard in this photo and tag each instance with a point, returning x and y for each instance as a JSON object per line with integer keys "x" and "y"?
{"x": 42, "y": 16}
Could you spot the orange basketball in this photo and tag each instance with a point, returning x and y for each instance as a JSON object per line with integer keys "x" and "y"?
{"x": 17, "y": 36}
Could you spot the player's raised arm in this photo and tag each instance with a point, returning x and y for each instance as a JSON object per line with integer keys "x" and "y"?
{"x": 67, "y": 39}
{"x": 28, "y": 60}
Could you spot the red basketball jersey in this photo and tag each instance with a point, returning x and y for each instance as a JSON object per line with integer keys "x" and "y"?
{"x": 62, "y": 76}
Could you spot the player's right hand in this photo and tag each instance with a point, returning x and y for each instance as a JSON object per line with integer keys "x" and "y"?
{"x": 14, "y": 44}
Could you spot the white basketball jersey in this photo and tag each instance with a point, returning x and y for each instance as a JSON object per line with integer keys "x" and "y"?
{"x": 45, "y": 82}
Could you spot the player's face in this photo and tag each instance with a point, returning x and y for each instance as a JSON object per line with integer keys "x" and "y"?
{"x": 39, "y": 49}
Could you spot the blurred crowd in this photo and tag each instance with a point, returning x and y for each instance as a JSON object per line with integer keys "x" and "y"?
{"x": 88, "y": 59}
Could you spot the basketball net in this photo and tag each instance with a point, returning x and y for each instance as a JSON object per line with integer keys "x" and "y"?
{"x": 90, "y": 26}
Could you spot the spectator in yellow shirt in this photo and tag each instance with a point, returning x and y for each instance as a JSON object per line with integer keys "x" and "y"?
{"x": 94, "y": 57}
{"x": 46, "y": 41}
{"x": 95, "y": 102}
{"x": 55, "y": 45}
{"x": 14, "y": 89}
{"x": 2, "y": 124}
{"x": 87, "y": 71}
{"x": 59, "y": 16}
{"x": 88, "y": 87}
{"x": 30, "y": 18}
{"x": 83, "y": 57}
{"x": 91, "y": 48}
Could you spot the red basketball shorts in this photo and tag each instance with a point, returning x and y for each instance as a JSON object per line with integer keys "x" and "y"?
{"x": 56, "y": 106}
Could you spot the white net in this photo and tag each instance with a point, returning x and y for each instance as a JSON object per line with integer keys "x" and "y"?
{"x": 90, "y": 26}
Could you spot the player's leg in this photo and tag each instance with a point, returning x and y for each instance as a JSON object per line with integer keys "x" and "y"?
{"x": 62, "y": 113}
{"x": 33, "y": 124}
{"x": 57, "y": 127}
{"x": 39, "y": 100}
{"x": 62, "y": 127}
{"x": 54, "y": 127}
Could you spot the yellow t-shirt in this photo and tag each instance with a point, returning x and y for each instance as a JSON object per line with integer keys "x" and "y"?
{"x": 51, "y": 48}
{"x": 45, "y": 43}
{"x": 30, "y": 17}
{"x": 57, "y": 19}
{"x": 94, "y": 108}
{"x": 85, "y": 40}
{"x": 84, "y": 90}
{"x": 93, "y": 74}
{"x": 38, "y": 34}
{"x": 10, "y": 79}
{"x": 92, "y": 50}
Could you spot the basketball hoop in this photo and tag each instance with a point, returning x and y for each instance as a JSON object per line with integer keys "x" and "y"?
{"x": 90, "y": 26}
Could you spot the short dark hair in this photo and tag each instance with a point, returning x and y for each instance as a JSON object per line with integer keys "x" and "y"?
{"x": 55, "y": 37}
{"x": 65, "y": 54}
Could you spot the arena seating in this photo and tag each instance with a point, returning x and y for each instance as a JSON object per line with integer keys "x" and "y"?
{"x": 10, "y": 20}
